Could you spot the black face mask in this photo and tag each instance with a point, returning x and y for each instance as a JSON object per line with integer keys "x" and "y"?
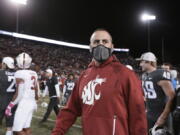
{"x": 101, "y": 53}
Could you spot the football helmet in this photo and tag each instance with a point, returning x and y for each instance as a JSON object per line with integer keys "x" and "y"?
{"x": 23, "y": 60}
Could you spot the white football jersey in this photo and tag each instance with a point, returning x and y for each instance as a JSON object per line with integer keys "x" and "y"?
{"x": 30, "y": 79}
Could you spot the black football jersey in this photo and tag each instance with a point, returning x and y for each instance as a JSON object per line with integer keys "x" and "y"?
{"x": 7, "y": 82}
{"x": 7, "y": 86}
{"x": 69, "y": 85}
{"x": 155, "y": 96}
{"x": 51, "y": 86}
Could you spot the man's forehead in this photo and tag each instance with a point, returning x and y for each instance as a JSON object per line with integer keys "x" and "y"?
{"x": 101, "y": 35}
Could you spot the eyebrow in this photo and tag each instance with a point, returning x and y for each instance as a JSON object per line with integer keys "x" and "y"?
{"x": 110, "y": 39}
{"x": 101, "y": 40}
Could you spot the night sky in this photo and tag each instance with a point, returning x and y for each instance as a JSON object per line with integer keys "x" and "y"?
{"x": 75, "y": 20}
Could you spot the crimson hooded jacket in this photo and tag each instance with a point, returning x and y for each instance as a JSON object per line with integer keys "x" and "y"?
{"x": 109, "y": 98}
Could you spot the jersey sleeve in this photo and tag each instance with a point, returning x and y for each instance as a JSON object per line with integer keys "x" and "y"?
{"x": 19, "y": 74}
{"x": 163, "y": 75}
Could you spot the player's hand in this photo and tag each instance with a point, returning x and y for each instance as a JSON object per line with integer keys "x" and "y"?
{"x": 160, "y": 122}
{"x": 8, "y": 109}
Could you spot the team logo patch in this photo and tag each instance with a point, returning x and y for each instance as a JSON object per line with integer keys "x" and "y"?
{"x": 89, "y": 95}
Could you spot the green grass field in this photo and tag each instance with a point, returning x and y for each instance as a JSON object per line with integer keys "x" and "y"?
{"x": 46, "y": 128}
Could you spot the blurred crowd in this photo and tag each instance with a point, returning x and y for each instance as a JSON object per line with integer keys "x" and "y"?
{"x": 63, "y": 60}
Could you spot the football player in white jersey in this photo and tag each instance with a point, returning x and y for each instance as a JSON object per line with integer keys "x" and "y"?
{"x": 25, "y": 96}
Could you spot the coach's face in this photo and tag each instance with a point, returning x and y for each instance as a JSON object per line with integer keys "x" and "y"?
{"x": 101, "y": 46}
{"x": 101, "y": 38}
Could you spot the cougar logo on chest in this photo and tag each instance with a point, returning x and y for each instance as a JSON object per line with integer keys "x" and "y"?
{"x": 89, "y": 94}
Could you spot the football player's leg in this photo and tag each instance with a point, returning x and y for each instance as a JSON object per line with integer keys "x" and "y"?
{"x": 69, "y": 94}
{"x": 20, "y": 118}
{"x": 49, "y": 109}
{"x": 27, "y": 125}
{"x": 65, "y": 98}
{"x": 9, "y": 132}
{"x": 27, "y": 131}
{"x": 1, "y": 115}
{"x": 56, "y": 108}
{"x": 9, "y": 122}
{"x": 19, "y": 133}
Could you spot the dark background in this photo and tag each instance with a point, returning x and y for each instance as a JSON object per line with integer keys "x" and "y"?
{"x": 75, "y": 20}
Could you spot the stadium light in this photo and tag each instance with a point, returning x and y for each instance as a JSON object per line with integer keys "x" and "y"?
{"x": 145, "y": 17}
{"x": 23, "y": 2}
{"x": 18, "y": 3}
{"x": 51, "y": 41}
{"x": 148, "y": 17}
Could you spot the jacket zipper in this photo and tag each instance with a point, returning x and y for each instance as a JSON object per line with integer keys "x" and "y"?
{"x": 114, "y": 125}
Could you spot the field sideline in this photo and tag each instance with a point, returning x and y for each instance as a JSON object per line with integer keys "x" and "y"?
{"x": 46, "y": 128}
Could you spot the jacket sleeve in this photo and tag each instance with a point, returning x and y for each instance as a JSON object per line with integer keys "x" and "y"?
{"x": 136, "y": 107}
{"x": 67, "y": 116}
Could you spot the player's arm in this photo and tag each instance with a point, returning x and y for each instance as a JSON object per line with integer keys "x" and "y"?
{"x": 19, "y": 90}
{"x": 169, "y": 92}
{"x": 17, "y": 96}
{"x": 64, "y": 89}
{"x": 37, "y": 90}
{"x": 57, "y": 87}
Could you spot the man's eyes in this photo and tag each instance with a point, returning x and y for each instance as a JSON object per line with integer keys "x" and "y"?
{"x": 96, "y": 41}
{"x": 103, "y": 41}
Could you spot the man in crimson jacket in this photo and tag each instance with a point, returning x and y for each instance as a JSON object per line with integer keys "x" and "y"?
{"x": 107, "y": 95}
